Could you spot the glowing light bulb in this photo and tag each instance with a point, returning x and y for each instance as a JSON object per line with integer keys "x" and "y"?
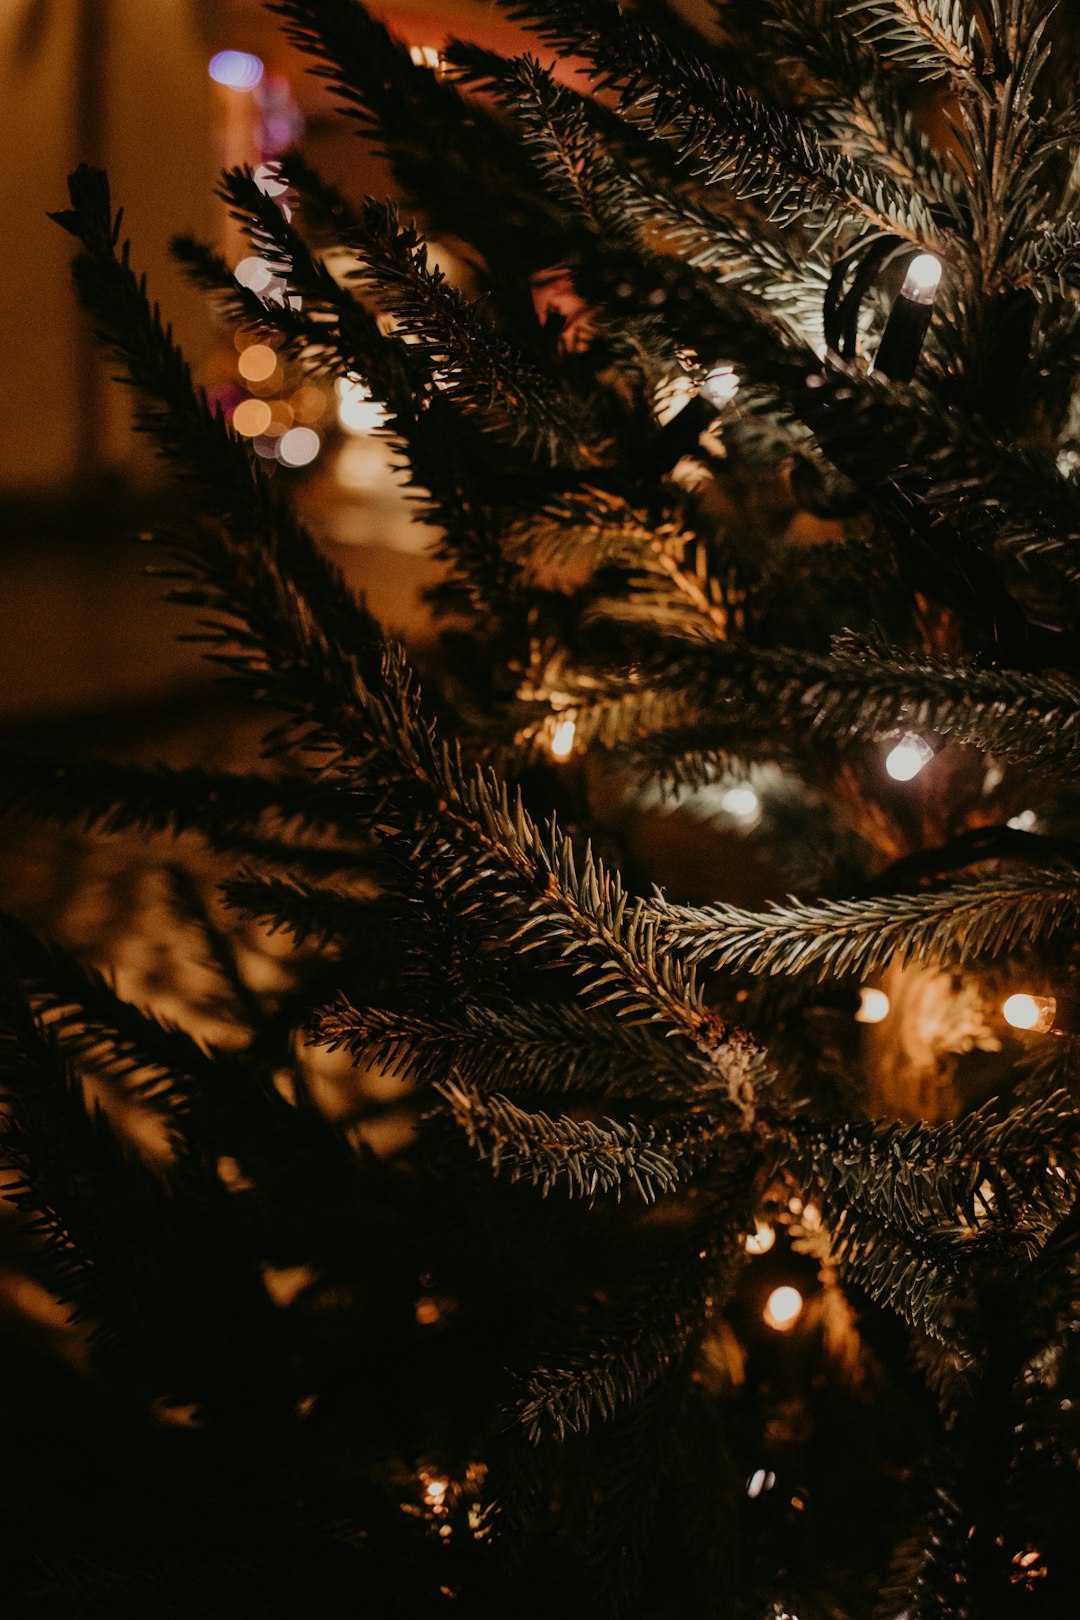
{"x": 720, "y": 387}
{"x": 427, "y": 56}
{"x": 741, "y": 802}
{"x": 1030, "y": 1012}
{"x": 298, "y": 446}
{"x": 873, "y": 1006}
{"x": 907, "y": 759}
{"x": 562, "y": 739}
{"x": 783, "y": 1308}
{"x": 761, "y": 1239}
{"x": 760, "y": 1481}
{"x": 435, "y": 1492}
{"x": 238, "y": 70}
{"x": 923, "y": 279}
{"x": 1024, "y": 822}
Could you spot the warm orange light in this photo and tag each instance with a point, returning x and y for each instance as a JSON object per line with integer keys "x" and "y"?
{"x": 761, "y": 1239}
{"x": 308, "y": 403}
{"x": 257, "y": 362}
{"x": 562, "y": 740}
{"x": 873, "y": 1006}
{"x": 1030, "y": 1012}
{"x": 251, "y": 417}
{"x": 783, "y": 1308}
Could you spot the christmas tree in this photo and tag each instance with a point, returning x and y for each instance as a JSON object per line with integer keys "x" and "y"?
{"x": 700, "y": 934}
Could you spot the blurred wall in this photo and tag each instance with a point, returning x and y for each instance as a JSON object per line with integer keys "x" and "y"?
{"x": 121, "y": 83}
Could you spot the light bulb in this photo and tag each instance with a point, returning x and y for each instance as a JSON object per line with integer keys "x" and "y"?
{"x": 1024, "y": 822}
{"x": 760, "y": 1481}
{"x": 741, "y": 802}
{"x": 427, "y": 56}
{"x": 720, "y": 387}
{"x": 435, "y": 1492}
{"x": 923, "y": 279}
{"x": 1030, "y": 1012}
{"x": 907, "y": 759}
{"x": 783, "y": 1308}
{"x": 873, "y": 1006}
{"x": 761, "y": 1239}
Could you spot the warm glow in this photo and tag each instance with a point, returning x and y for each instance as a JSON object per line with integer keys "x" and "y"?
{"x": 425, "y": 55}
{"x": 357, "y": 411}
{"x": 1026, "y": 821}
{"x": 761, "y": 1239}
{"x": 562, "y": 740}
{"x": 254, "y": 274}
{"x": 741, "y": 802}
{"x": 873, "y": 1006}
{"x": 298, "y": 447}
{"x": 1030, "y": 1012}
{"x": 720, "y": 387}
{"x": 907, "y": 759}
{"x": 923, "y": 279}
{"x": 783, "y": 1308}
{"x": 308, "y": 403}
{"x": 251, "y": 417}
{"x": 238, "y": 70}
{"x": 257, "y": 362}
{"x": 435, "y": 1492}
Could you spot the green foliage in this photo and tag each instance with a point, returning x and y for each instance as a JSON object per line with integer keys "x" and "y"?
{"x": 332, "y": 1266}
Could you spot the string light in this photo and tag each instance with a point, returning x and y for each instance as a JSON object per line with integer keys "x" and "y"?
{"x": 909, "y": 319}
{"x": 237, "y": 70}
{"x": 1024, "y": 822}
{"x": 562, "y": 739}
{"x": 298, "y": 447}
{"x": 741, "y": 802}
{"x": 251, "y": 417}
{"x": 761, "y": 1239}
{"x": 435, "y": 1490}
{"x": 783, "y": 1308}
{"x": 1030, "y": 1012}
{"x": 908, "y": 757}
{"x": 357, "y": 411}
{"x": 257, "y": 363}
{"x": 427, "y": 56}
{"x": 720, "y": 387}
{"x": 254, "y": 273}
{"x": 873, "y": 1006}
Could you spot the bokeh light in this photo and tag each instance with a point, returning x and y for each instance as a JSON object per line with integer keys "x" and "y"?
{"x": 298, "y": 447}
{"x": 783, "y": 1308}
{"x": 873, "y": 1006}
{"x": 357, "y": 411}
{"x": 741, "y": 802}
{"x": 238, "y": 70}
{"x": 257, "y": 363}
{"x": 254, "y": 273}
{"x": 562, "y": 740}
{"x": 251, "y": 418}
